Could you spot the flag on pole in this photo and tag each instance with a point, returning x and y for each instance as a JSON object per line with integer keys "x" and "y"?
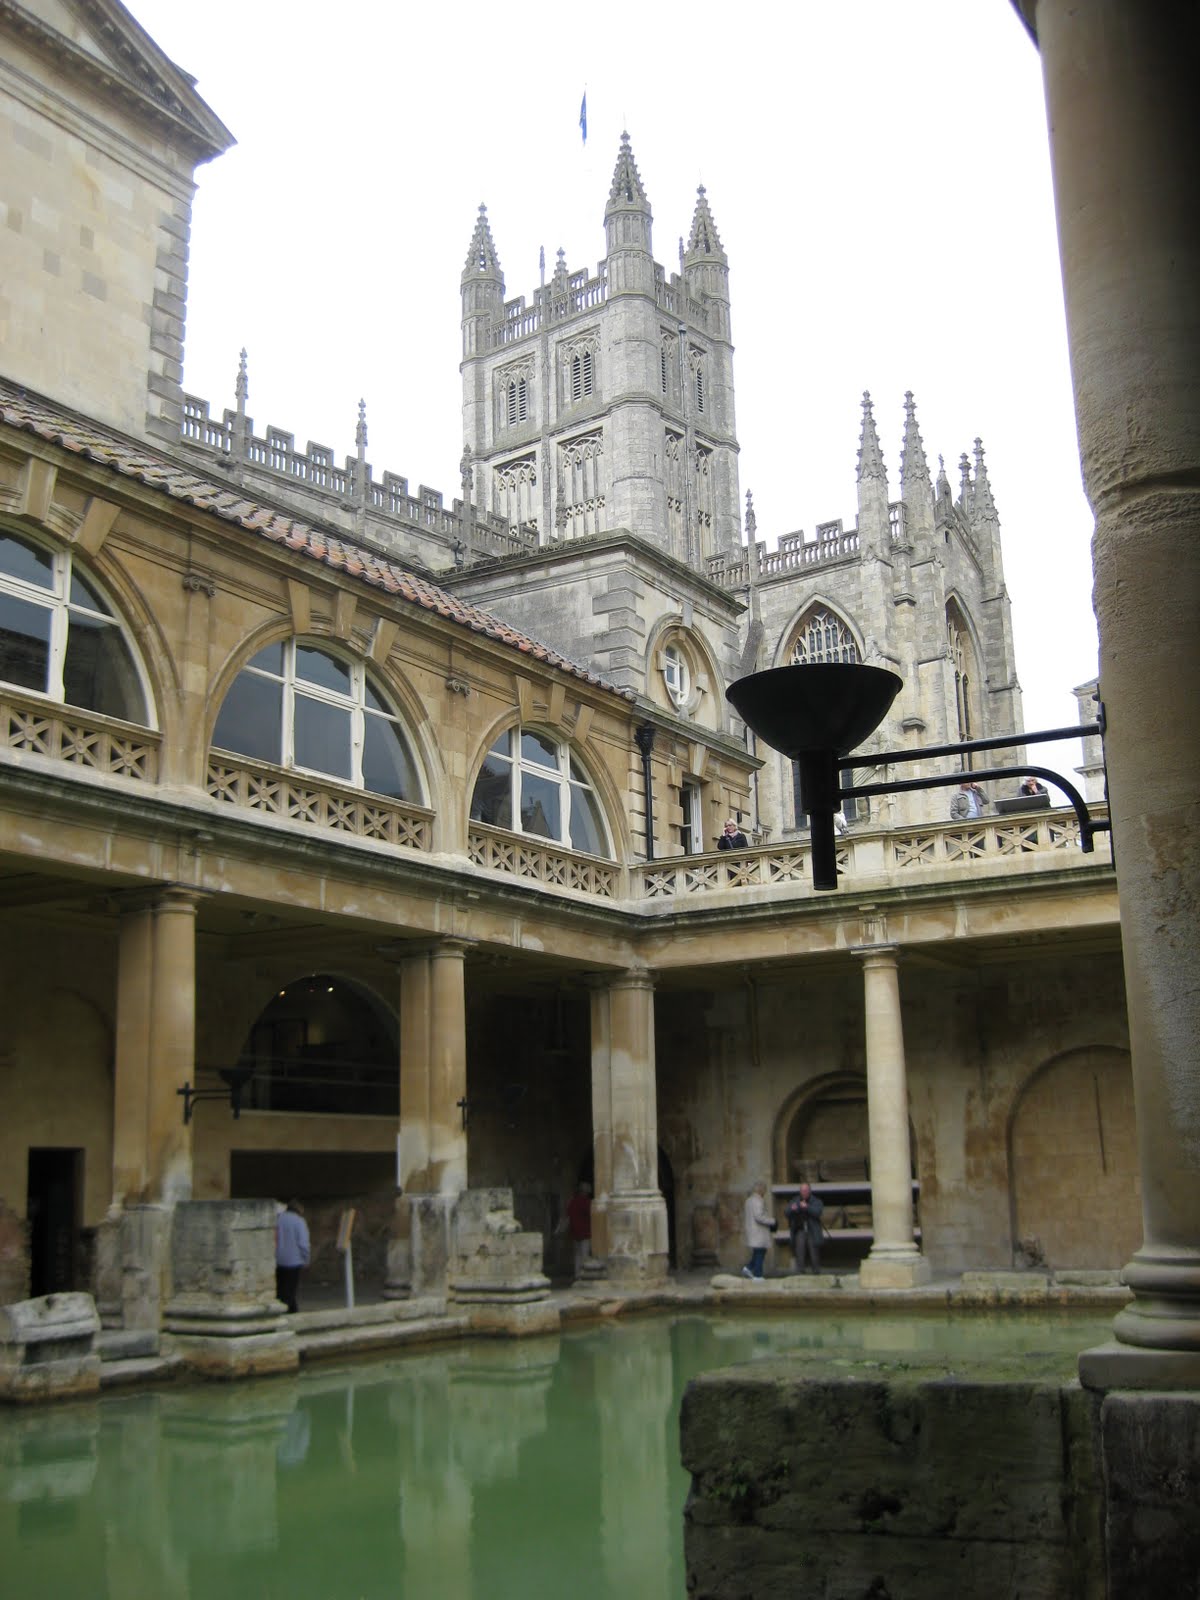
{"x": 583, "y": 116}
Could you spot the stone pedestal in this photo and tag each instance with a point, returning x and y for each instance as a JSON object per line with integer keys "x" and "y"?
{"x": 48, "y": 1348}
{"x": 222, "y": 1316}
{"x": 132, "y": 1271}
{"x": 495, "y": 1270}
{"x": 637, "y": 1237}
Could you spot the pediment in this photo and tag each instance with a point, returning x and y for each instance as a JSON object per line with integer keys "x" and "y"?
{"x": 102, "y": 41}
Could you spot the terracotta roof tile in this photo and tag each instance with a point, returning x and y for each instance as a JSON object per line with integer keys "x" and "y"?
{"x": 33, "y": 414}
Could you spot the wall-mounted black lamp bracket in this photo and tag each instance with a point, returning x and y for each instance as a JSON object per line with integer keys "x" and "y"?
{"x": 236, "y": 1079}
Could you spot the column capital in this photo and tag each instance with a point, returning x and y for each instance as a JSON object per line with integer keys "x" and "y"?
{"x": 160, "y": 897}
{"x": 878, "y": 955}
{"x": 400, "y": 951}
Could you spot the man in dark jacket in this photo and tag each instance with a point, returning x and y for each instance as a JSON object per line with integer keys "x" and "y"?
{"x": 804, "y": 1222}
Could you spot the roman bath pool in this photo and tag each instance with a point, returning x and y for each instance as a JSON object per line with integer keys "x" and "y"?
{"x": 493, "y": 1470}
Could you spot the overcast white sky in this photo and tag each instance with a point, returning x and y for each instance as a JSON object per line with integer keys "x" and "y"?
{"x": 878, "y": 171}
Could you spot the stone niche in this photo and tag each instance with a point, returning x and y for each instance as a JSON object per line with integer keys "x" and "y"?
{"x": 495, "y": 1270}
{"x": 48, "y": 1348}
{"x": 222, "y": 1315}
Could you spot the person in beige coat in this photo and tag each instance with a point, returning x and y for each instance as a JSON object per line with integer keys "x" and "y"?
{"x": 758, "y": 1228}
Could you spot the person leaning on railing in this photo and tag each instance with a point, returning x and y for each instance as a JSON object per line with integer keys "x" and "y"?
{"x": 732, "y": 838}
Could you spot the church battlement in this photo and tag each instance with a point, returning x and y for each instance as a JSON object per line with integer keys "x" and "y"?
{"x": 385, "y": 512}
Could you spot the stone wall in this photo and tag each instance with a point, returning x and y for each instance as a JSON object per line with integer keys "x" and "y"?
{"x": 899, "y": 1481}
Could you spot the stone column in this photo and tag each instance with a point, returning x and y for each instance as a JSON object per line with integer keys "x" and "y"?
{"x": 432, "y": 1160}
{"x": 894, "y": 1261}
{"x": 1125, "y": 123}
{"x": 629, "y": 1226}
{"x": 155, "y": 1048}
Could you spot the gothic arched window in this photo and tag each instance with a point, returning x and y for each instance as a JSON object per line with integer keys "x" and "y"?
{"x": 299, "y": 705}
{"x": 517, "y": 402}
{"x": 582, "y": 374}
{"x": 59, "y": 637}
{"x": 962, "y": 661}
{"x": 822, "y": 636}
{"x": 532, "y": 783}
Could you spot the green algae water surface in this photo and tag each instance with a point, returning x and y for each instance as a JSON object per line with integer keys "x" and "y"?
{"x": 524, "y": 1470}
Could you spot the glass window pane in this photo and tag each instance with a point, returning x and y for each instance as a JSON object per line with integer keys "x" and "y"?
{"x": 24, "y": 643}
{"x": 25, "y": 561}
{"x": 541, "y": 750}
{"x": 492, "y": 800}
{"x": 541, "y": 806}
{"x": 314, "y": 666}
{"x": 98, "y": 671}
{"x": 321, "y": 737}
{"x": 587, "y": 826}
{"x": 503, "y": 745}
{"x": 82, "y": 594}
{"x": 374, "y": 703}
{"x": 578, "y": 775}
{"x": 269, "y": 659}
{"x": 251, "y": 719}
{"x": 387, "y": 766}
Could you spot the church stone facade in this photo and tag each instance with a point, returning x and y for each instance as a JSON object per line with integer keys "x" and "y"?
{"x": 400, "y": 808}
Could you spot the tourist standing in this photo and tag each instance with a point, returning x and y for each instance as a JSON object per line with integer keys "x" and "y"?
{"x": 291, "y": 1252}
{"x": 733, "y": 838}
{"x": 805, "y": 1226}
{"x": 759, "y": 1230}
{"x": 579, "y": 1224}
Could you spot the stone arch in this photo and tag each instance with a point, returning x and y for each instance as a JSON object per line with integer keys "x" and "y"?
{"x": 967, "y": 668}
{"x": 823, "y": 1125}
{"x": 1074, "y": 1185}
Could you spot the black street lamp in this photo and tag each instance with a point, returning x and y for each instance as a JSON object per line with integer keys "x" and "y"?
{"x": 817, "y": 715}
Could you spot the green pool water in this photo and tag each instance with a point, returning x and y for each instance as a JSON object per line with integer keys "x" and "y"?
{"x": 491, "y": 1471}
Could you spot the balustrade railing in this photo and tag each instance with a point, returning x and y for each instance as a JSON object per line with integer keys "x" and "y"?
{"x": 519, "y": 856}
{"x": 254, "y": 786}
{"x": 78, "y": 738}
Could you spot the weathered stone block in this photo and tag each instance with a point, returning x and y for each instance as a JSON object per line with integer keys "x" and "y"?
{"x": 894, "y": 1484}
{"x": 48, "y": 1348}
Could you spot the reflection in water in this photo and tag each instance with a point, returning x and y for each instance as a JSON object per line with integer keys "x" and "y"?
{"x": 484, "y": 1472}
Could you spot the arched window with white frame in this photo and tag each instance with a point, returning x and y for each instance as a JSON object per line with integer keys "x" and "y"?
{"x": 59, "y": 635}
{"x": 297, "y": 704}
{"x": 531, "y": 782}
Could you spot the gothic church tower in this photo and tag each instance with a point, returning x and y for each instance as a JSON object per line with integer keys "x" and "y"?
{"x": 607, "y": 401}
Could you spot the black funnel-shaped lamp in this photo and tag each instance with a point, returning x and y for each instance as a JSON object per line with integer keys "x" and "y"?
{"x": 815, "y": 715}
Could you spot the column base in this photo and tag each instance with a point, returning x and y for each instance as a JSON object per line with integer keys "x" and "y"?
{"x": 220, "y": 1340}
{"x": 637, "y": 1237}
{"x": 906, "y": 1270}
{"x": 1164, "y": 1314}
{"x": 1127, "y": 1366}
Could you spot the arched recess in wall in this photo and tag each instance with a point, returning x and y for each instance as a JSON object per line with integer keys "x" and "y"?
{"x": 534, "y": 780}
{"x": 965, "y": 663}
{"x": 821, "y": 1133}
{"x": 62, "y": 638}
{"x": 1074, "y": 1186}
{"x": 324, "y": 1045}
{"x": 313, "y": 705}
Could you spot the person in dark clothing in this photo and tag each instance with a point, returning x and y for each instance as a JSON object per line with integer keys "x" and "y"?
{"x": 804, "y": 1223}
{"x": 733, "y": 838}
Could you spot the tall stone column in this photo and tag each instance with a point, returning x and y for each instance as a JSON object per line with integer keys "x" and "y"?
{"x": 155, "y": 1048}
{"x": 894, "y": 1261}
{"x": 1125, "y": 122}
{"x": 629, "y": 1228}
{"x": 432, "y": 1149}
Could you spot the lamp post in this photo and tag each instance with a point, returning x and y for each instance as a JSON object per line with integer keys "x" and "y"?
{"x": 818, "y": 714}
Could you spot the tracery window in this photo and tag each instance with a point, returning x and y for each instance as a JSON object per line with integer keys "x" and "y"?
{"x": 822, "y": 636}
{"x": 59, "y": 637}
{"x": 297, "y": 705}
{"x": 532, "y": 783}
